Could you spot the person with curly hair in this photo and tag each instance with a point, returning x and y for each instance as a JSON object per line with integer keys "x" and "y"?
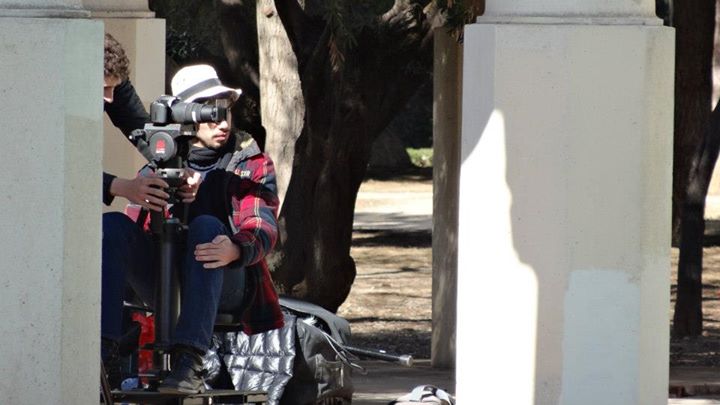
{"x": 127, "y": 113}
{"x": 116, "y": 67}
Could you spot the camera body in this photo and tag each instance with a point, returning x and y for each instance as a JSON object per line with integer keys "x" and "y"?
{"x": 172, "y": 127}
{"x": 168, "y": 135}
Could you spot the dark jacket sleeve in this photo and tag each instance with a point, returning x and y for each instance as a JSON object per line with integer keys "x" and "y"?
{"x": 126, "y": 111}
{"x": 107, "y": 197}
{"x": 128, "y": 114}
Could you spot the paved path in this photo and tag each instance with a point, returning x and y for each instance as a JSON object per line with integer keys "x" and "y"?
{"x": 385, "y": 382}
{"x": 384, "y": 205}
{"x": 388, "y": 205}
{"x": 696, "y": 385}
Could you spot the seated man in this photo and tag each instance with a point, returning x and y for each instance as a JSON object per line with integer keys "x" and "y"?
{"x": 232, "y": 226}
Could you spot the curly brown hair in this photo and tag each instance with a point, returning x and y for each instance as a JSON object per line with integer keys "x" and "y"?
{"x": 116, "y": 62}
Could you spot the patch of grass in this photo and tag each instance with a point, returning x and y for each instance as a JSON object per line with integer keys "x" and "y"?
{"x": 420, "y": 157}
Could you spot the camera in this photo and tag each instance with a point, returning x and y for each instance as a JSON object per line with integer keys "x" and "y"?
{"x": 168, "y": 135}
{"x": 170, "y": 130}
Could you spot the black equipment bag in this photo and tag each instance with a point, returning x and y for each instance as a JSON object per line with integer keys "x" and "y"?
{"x": 302, "y": 363}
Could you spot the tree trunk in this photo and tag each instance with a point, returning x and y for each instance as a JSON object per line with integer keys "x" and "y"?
{"x": 687, "y": 320}
{"x": 281, "y": 100}
{"x": 388, "y": 154}
{"x": 350, "y": 97}
{"x": 696, "y": 150}
{"x": 694, "y": 22}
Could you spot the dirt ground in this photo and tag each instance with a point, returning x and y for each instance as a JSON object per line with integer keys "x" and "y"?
{"x": 389, "y": 307}
{"x": 703, "y": 350}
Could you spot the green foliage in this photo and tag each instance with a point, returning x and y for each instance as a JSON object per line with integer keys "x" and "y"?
{"x": 191, "y": 28}
{"x": 421, "y": 157}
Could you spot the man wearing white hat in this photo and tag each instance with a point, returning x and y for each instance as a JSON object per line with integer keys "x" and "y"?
{"x": 232, "y": 226}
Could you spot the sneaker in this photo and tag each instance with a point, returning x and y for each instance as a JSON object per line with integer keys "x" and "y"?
{"x": 186, "y": 376}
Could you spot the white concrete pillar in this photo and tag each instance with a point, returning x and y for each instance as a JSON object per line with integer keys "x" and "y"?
{"x": 51, "y": 70}
{"x": 143, "y": 38}
{"x": 564, "y": 217}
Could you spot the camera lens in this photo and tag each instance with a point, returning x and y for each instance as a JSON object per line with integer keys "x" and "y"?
{"x": 193, "y": 113}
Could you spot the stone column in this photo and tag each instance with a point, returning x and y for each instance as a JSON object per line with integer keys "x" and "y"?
{"x": 446, "y": 172}
{"x": 143, "y": 38}
{"x": 51, "y": 71}
{"x": 564, "y": 217}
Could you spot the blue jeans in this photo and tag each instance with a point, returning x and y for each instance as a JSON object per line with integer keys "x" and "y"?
{"x": 128, "y": 259}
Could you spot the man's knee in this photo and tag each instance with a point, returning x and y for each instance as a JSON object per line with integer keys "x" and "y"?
{"x": 205, "y": 228}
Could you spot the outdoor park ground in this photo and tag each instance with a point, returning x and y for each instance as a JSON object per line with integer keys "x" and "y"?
{"x": 389, "y": 306}
{"x": 704, "y": 350}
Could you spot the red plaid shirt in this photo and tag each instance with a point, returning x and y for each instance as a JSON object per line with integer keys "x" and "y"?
{"x": 254, "y": 208}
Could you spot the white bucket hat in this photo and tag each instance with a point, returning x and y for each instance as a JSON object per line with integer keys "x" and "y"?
{"x": 199, "y": 81}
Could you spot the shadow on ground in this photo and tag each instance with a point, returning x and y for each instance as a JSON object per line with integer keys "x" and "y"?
{"x": 400, "y": 341}
{"x": 392, "y": 238}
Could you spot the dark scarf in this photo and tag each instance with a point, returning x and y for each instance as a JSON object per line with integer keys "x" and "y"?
{"x": 202, "y": 158}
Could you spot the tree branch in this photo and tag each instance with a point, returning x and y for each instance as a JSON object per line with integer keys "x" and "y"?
{"x": 411, "y": 23}
{"x": 300, "y": 29}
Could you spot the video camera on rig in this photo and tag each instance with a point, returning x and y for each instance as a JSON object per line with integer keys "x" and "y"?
{"x": 169, "y": 133}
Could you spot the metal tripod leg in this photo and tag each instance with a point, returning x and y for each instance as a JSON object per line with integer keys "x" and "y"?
{"x": 105, "y": 386}
{"x": 167, "y": 309}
